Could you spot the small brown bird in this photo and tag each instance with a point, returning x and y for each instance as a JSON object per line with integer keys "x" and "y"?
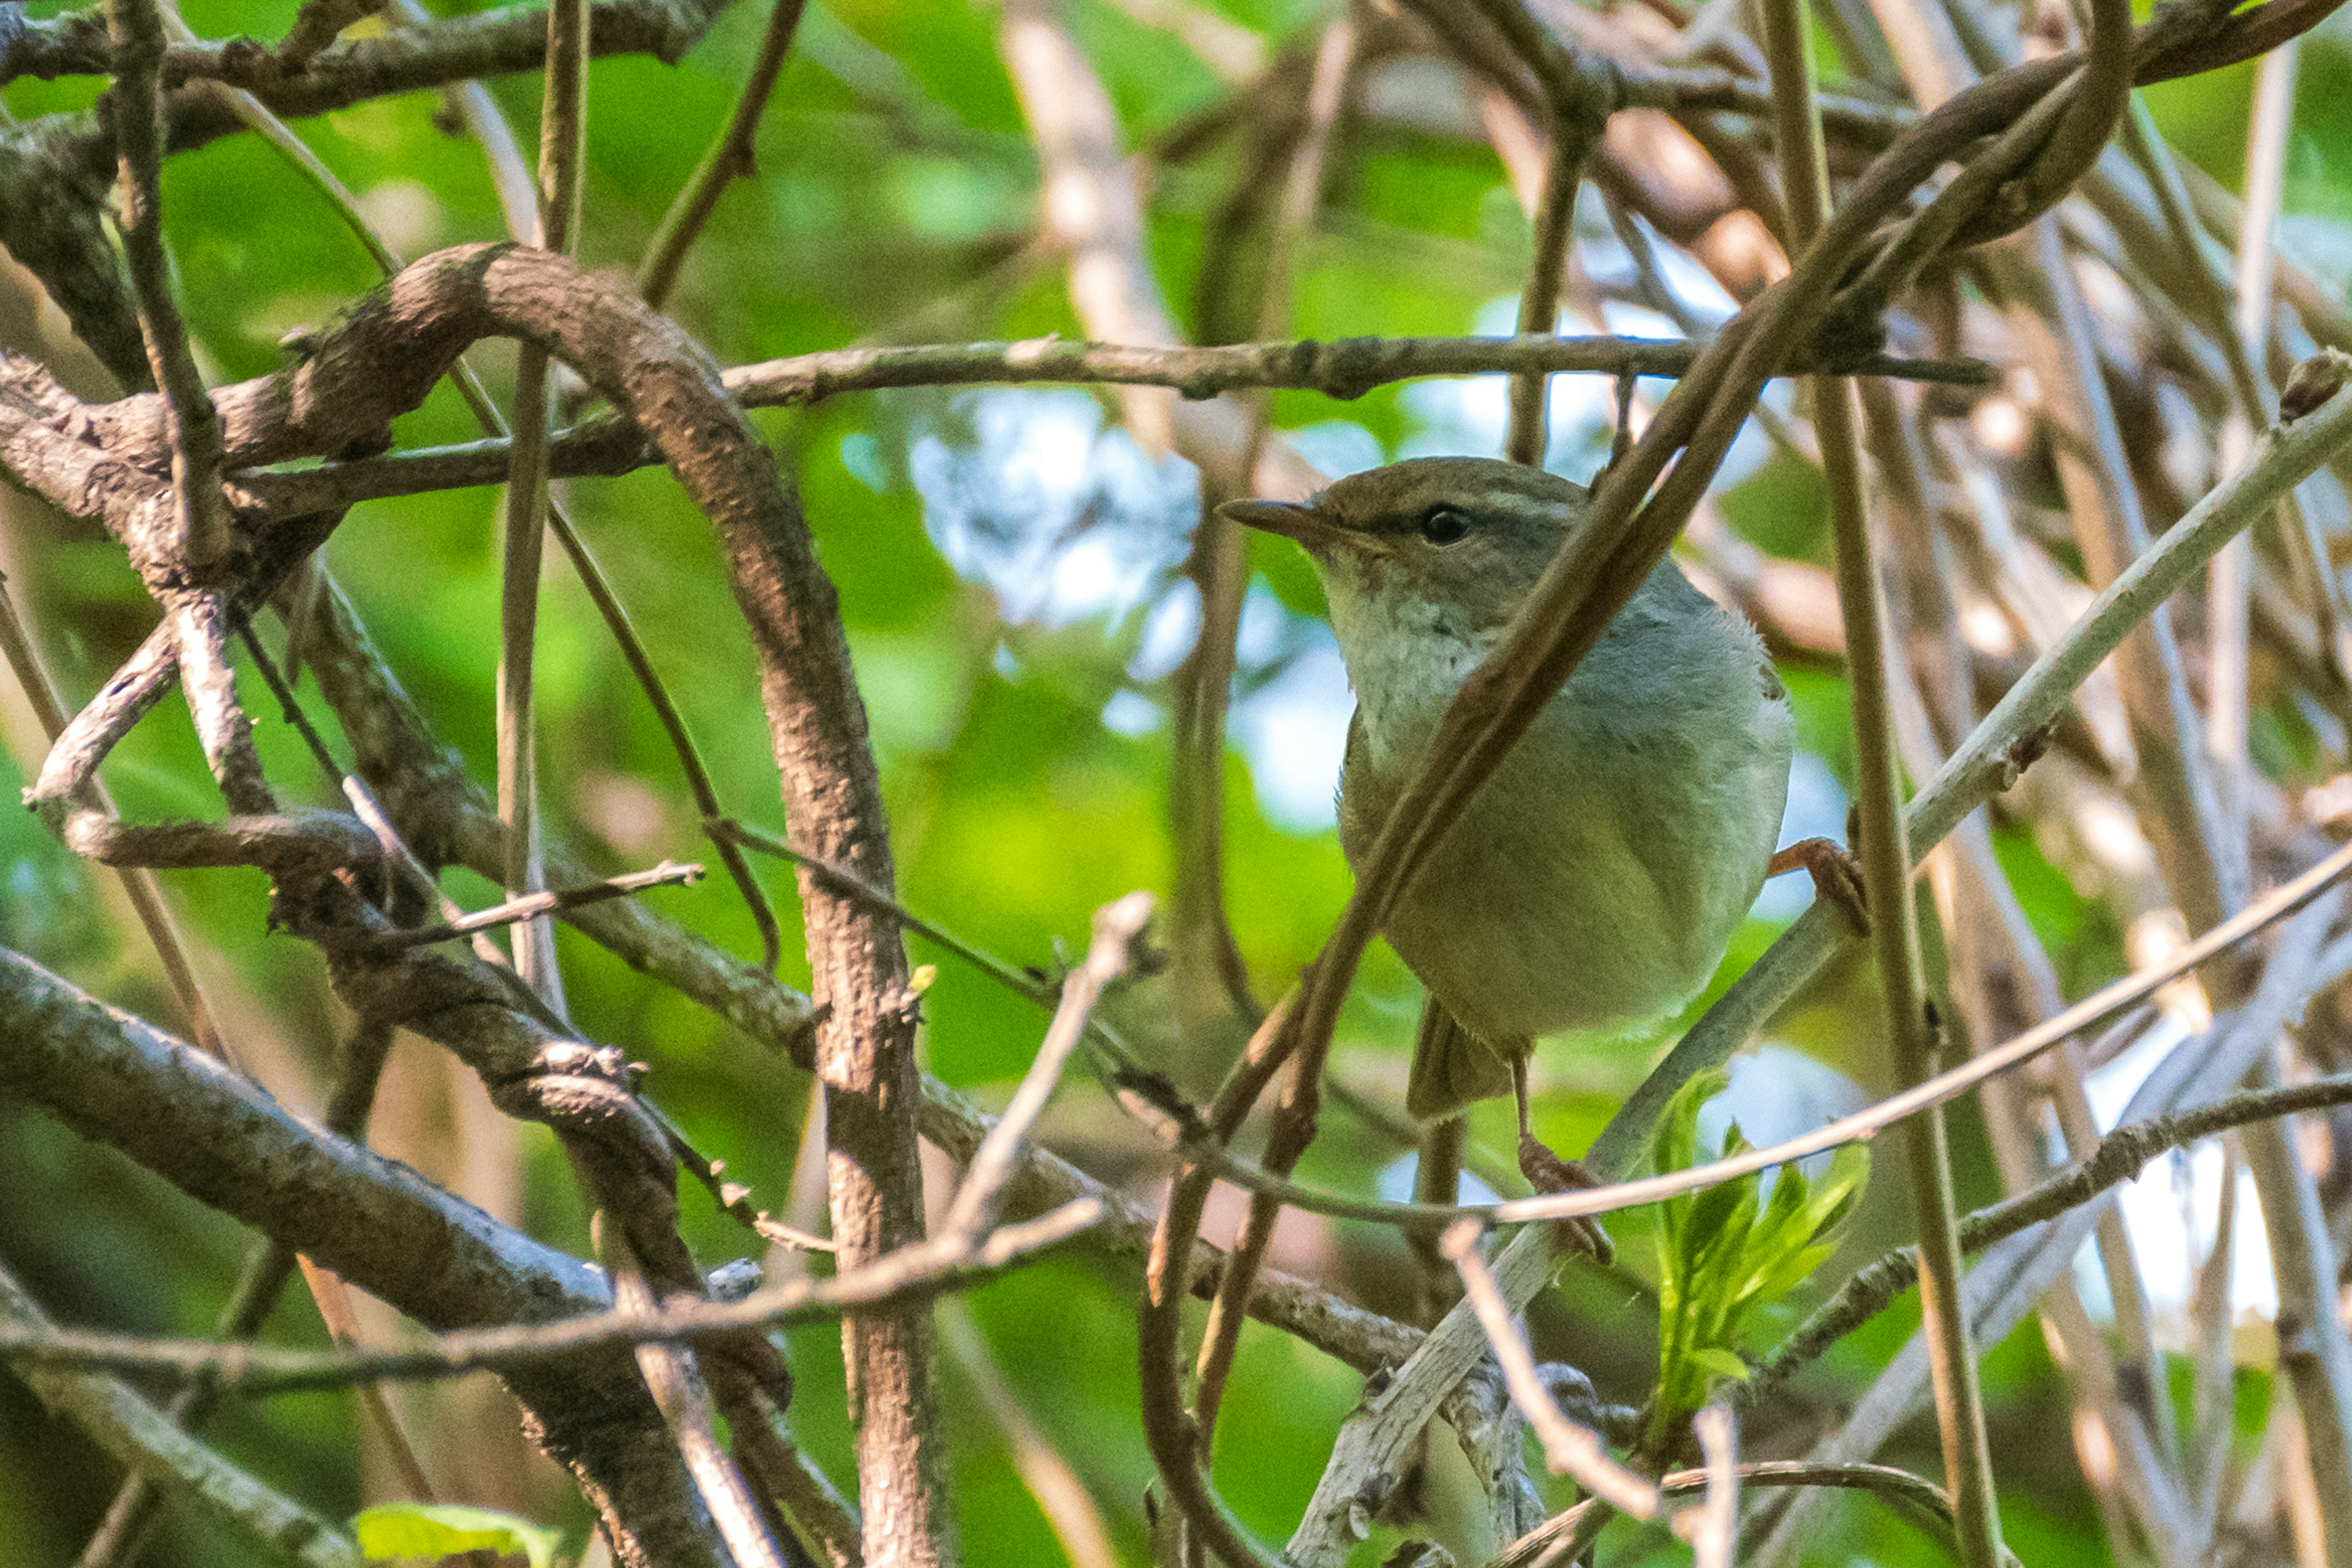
{"x": 1591, "y": 884}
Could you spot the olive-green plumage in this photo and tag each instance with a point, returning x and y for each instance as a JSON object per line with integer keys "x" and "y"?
{"x": 1593, "y": 881}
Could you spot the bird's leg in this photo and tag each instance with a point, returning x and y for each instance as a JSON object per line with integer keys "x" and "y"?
{"x": 1837, "y": 876}
{"x": 1548, "y": 1172}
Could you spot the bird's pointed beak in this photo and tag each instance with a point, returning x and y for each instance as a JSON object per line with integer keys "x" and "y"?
{"x": 1305, "y": 524}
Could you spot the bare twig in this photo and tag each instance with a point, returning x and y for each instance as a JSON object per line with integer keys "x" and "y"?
{"x": 139, "y": 885}
{"x": 1345, "y": 368}
{"x": 1886, "y": 849}
{"x": 1579, "y": 101}
{"x": 1116, "y": 925}
{"x": 142, "y": 1438}
{"x": 201, "y": 516}
{"x": 730, "y": 159}
{"x": 2230, "y": 584}
{"x": 563, "y": 151}
{"x": 1711, "y": 1528}
{"x": 668, "y": 874}
{"x": 1572, "y": 1450}
{"x": 672, "y": 1373}
{"x": 913, "y": 1275}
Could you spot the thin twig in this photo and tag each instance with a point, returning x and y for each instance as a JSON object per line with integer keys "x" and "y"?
{"x": 675, "y": 1378}
{"x": 201, "y": 524}
{"x": 1885, "y": 851}
{"x": 563, "y": 151}
{"x": 2119, "y": 1157}
{"x": 2229, "y": 586}
{"x": 1344, "y": 368}
{"x": 1574, "y": 1451}
{"x": 730, "y": 159}
{"x": 1578, "y": 114}
{"x": 532, "y": 906}
{"x": 1711, "y": 1528}
{"x": 1116, "y": 925}
{"x": 912, "y": 1274}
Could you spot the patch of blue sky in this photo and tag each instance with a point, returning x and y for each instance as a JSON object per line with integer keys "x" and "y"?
{"x": 1065, "y": 520}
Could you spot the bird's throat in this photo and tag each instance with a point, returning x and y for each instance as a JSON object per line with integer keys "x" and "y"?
{"x": 1406, "y": 658}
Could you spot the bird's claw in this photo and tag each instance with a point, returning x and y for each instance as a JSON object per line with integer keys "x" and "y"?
{"x": 1837, "y": 876}
{"x": 1548, "y": 1172}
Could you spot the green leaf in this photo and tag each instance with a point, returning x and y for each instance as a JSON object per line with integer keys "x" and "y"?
{"x": 1675, "y": 1145}
{"x": 444, "y": 1530}
{"x": 1722, "y": 1251}
{"x": 1722, "y": 1363}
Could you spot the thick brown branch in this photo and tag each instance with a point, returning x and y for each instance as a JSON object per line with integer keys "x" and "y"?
{"x": 294, "y": 79}
{"x": 226, "y": 1144}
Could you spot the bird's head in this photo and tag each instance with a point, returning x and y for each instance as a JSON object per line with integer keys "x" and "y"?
{"x": 1465, "y": 538}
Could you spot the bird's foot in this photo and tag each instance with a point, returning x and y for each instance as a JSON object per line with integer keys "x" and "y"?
{"x": 1837, "y": 876}
{"x": 1548, "y": 1172}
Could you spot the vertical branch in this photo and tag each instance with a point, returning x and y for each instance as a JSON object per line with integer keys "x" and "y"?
{"x": 1201, "y": 932}
{"x": 1579, "y": 100}
{"x": 562, "y": 149}
{"x": 135, "y": 104}
{"x": 1711, "y": 1527}
{"x": 1539, "y": 301}
{"x": 1218, "y": 564}
{"x": 1293, "y": 220}
{"x": 1885, "y": 851}
{"x": 728, "y": 160}
{"x": 2231, "y": 584}
{"x": 674, "y": 1374}
{"x": 857, "y": 964}
{"x": 1168, "y": 1430}
{"x": 2312, "y": 1346}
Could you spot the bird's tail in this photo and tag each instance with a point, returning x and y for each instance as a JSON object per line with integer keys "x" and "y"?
{"x": 1452, "y": 1068}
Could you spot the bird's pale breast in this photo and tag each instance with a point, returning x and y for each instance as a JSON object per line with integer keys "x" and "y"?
{"x": 1595, "y": 880}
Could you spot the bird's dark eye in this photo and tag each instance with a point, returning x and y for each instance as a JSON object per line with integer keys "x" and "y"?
{"x": 1444, "y": 525}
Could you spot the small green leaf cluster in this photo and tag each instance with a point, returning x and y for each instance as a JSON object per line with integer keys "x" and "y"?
{"x": 1724, "y": 1251}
